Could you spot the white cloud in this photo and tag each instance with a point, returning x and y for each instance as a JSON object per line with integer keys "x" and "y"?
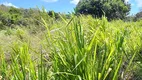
{"x": 9, "y": 4}
{"x": 74, "y": 2}
{"x": 139, "y": 3}
{"x": 50, "y": 1}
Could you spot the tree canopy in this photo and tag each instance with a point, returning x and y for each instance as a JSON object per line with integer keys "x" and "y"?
{"x": 112, "y": 9}
{"x": 138, "y": 16}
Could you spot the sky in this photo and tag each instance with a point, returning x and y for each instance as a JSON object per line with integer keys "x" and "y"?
{"x": 63, "y": 6}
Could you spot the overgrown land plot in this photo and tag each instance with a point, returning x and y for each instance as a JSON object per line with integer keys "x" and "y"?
{"x": 68, "y": 47}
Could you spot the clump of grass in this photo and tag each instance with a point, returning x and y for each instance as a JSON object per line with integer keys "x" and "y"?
{"x": 81, "y": 48}
{"x": 100, "y": 58}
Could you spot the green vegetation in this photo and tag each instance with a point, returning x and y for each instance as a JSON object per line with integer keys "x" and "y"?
{"x": 138, "y": 16}
{"x": 40, "y": 45}
{"x": 112, "y": 9}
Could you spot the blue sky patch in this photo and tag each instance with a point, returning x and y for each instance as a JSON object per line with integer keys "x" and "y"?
{"x": 61, "y": 5}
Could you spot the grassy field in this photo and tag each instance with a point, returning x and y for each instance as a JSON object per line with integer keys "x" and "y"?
{"x": 80, "y": 48}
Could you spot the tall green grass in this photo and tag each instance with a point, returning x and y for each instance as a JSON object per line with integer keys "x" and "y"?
{"x": 81, "y": 48}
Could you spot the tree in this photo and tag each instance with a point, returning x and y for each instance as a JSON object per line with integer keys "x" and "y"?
{"x": 15, "y": 15}
{"x": 138, "y": 16}
{"x": 112, "y": 9}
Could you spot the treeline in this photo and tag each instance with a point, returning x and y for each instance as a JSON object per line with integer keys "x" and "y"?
{"x": 10, "y": 16}
{"x": 138, "y": 16}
